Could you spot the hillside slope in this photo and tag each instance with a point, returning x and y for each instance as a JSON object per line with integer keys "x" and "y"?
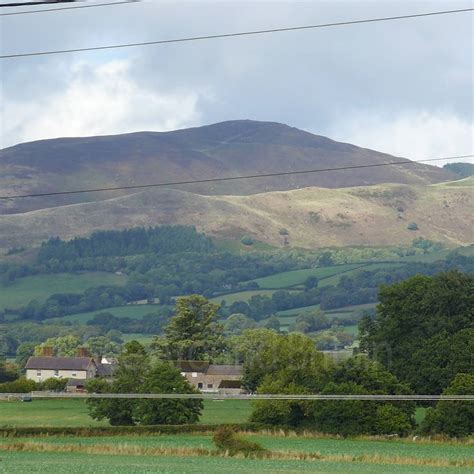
{"x": 314, "y": 217}
{"x": 234, "y": 148}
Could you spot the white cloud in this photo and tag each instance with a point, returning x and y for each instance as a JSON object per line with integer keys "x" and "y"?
{"x": 415, "y": 136}
{"x": 99, "y": 99}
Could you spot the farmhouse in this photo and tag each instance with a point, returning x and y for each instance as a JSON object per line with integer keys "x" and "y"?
{"x": 76, "y": 369}
{"x": 208, "y": 377}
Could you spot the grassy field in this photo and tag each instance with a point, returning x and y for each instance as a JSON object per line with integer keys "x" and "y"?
{"x": 298, "y": 277}
{"x": 74, "y": 412}
{"x": 133, "y": 311}
{"x": 179, "y": 453}
{"x": 242, "y": 296}
{"x": 40, "y": 287}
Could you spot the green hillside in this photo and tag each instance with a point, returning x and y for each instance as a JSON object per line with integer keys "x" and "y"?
{"x": 40, "y": 287}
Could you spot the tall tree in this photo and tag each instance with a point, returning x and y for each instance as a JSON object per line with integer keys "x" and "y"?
{"x": 411, "y": 317}
{"x": 192, "y": 333}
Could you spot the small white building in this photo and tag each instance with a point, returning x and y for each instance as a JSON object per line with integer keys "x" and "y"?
{"x": 43, "y": 368}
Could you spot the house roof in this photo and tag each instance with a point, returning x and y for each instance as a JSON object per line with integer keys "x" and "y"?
{"x": 216, "y": 369}
{"x": 205, "y": 367}
{"x": 105, "y": 370}
{"x": 59, "y": 363}
{"x": 191, "y": 365}
{"x": 230, "y": 384}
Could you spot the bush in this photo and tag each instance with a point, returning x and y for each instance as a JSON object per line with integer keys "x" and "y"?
{"x": 412, "y": 226}
{"x": 226, "y": 440}
{"x": 21, "y": 385}
{"x": 392, "y": 420}
{"x": 247, "y": 240}
{"x": 453, "y": 418}
{"x": 56, "y": 385}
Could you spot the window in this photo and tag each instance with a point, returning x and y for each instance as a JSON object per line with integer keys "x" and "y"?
{"x": 194, "y": 374}
{"x": 209, "y": 385}
{"x": 74, "y": 374}
{"x": 200, "y": 385}
{"x": 56, "y": 373}
{"x": 38, "y": 373}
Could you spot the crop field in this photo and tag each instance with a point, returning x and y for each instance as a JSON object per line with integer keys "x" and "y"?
{"x": 74, "y": 412}
{"x": 40, "y": 287}
{"x": 196, "y": 453}
{"x": 132, "y": 311}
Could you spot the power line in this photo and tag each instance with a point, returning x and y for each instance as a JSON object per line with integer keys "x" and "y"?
{"x": 93, "y": 5}
{"x": 230, "y": 178}
{"x": 223, "y": 396}
{"x": 229, "y": 35}
{"x": 28, "y": 4}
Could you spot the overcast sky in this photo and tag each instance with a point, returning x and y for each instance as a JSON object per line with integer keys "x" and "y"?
{"x": 403, "y": 87}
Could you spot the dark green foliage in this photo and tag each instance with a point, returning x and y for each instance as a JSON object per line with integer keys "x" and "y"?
{"x": 412, "y": 226}
{"x": 463, "y": 170}
{"x": 421, "y": 330}
{"x": 192, "y": 332}
{"x": 454, "y": 418}
{"x": 24, "y": 351}
{"x": 227, "y": 440}
{"x": 158, "y": 240}
{"x": 20, "y": 385}
{"x": 53, "y": 384}
{"x": 6, "y": 374}
{"x": 137, "y": 374}
{"x": 247, "y": 240}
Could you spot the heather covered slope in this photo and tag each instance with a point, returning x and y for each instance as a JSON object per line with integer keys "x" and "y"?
{"x": 313, "y": 217}
{"x": 231, "y": 148}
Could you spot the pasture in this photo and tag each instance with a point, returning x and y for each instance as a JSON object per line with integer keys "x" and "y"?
{"x": 40, "y": 287}
{"x": 196, "y": 453}
{"x": 132, "y": 311}
{"x": 74, "y": 412}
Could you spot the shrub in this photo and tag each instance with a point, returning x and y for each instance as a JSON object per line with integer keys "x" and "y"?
{"x": 226, "y": 440}
{"x": 392, "y": 420}
{"x": 54, "y": 384}
{"x": 453, "y": 418}
{"x": 21, "y": 385}
{"x": 412, "y": 226}
{"x": 247, "y": 240}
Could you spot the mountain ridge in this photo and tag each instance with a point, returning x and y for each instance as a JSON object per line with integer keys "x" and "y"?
{"x": 232, "y": 148}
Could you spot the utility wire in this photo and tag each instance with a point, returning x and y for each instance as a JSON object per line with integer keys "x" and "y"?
{"x": 230, "y": 178}
{"x": 92, "y": 5}
{"x": 222, "y": 396}
{"x": 229, "y": 35}
{"x": 28, "y": 4}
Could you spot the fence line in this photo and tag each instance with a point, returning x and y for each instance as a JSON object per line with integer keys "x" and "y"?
{"x": 224, "y": 396}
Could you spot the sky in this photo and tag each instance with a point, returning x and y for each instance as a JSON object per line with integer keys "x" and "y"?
{"x": 402, "y": 87}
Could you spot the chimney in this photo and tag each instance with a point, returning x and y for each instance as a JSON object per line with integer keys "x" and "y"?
{"x": 47, "y": 351}
{"x": 83, "y": 352}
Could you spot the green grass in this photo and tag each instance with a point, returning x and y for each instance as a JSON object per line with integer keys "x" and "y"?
{"x": 40, "y": 287}
{"x": 74, "y": 412}
{"x": 298, "y": 277}
{"x": 132, "y": 311}
{"x": 76, "y": 463}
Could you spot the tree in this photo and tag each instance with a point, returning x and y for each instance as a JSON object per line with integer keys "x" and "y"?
{"x": 63, "y": 346}
{"x": 24, "y": 351}
{"x": 454, "y": 418}
{"x": 271, "y": 323}
{"x": 237, "y": 323}
{"x": 311, "y": 282}
{"x": 102, "y": 346}
{"x": 192, "y": 332}
{"x": 414, "y": 333}
{"x": 137, "y": 373}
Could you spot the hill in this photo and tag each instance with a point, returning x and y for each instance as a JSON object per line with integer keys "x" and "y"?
{"x": 233, "y": 148}
{"x": 310, "y": 217}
